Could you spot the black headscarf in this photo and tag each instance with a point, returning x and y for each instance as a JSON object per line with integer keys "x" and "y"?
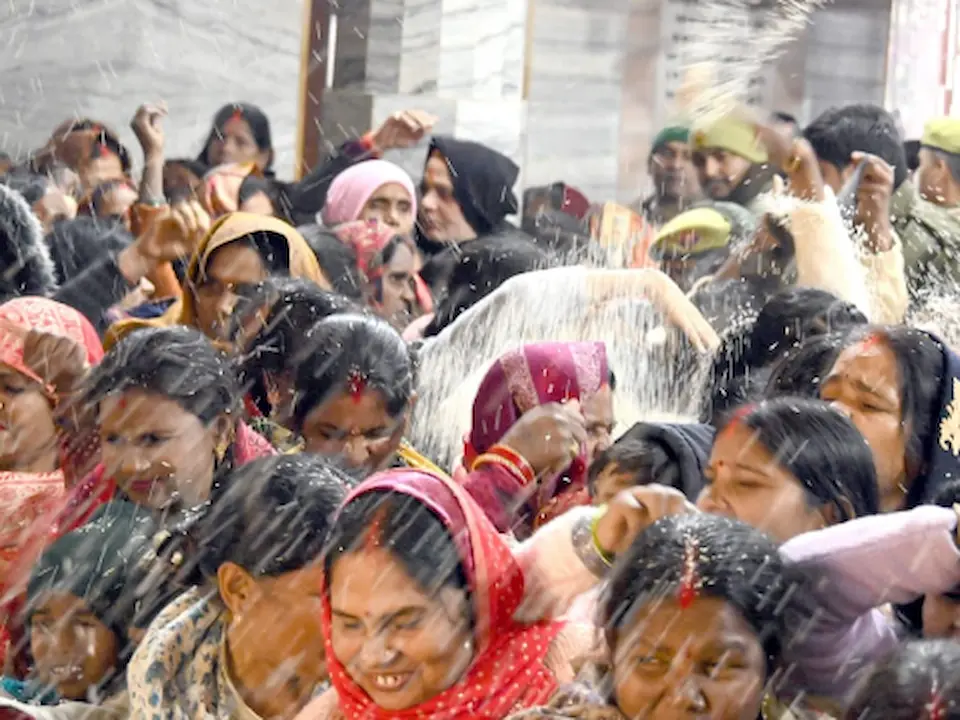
{"x": 483, "y": 181}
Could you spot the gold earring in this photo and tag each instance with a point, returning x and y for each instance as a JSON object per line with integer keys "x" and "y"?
{"x": 221, "y": 450}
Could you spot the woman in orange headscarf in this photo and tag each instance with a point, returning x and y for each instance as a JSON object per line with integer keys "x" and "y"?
{"x": 239, "y": 249}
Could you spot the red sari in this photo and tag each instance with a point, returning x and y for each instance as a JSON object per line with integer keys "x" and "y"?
{"x": 508, "y": 672}
{"x": 517, "y": 382}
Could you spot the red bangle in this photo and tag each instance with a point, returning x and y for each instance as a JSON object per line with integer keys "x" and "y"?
{"x": 368, "y": 144}
{"x": 511, "y": 455}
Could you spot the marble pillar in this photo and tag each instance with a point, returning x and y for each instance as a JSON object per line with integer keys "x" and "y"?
{"x": 458, "y": 59}
{"x": 102, "y": 58}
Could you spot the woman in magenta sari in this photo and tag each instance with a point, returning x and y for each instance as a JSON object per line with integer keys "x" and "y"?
{"x": 571, "y": 379}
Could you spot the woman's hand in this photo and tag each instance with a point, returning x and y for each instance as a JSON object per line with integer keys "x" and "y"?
{"x": 548, "y": 437}
{"x": 173, "y": 233}
{"x": 147, "y": 125}
{"x": 633, "y": 511}
{"x": 796, "y": 158}
{"x": 403, "y": 129}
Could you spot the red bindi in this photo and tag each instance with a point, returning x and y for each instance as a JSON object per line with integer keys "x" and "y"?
{"x": 870, "y": 342}
{"x": 356, "y": 383}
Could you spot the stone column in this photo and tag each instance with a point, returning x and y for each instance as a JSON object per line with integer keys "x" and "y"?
{"x": 461, "y": 60}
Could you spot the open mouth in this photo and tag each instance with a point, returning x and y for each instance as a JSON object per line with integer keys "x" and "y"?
{"x": 390, "y": 682}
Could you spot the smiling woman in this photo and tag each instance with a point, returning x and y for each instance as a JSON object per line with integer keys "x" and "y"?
{"x": 428, "y": 626}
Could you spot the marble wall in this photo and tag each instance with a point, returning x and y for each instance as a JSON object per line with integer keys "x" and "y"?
{"x": 571, "y": 89}
{"x": 101, "y": 58}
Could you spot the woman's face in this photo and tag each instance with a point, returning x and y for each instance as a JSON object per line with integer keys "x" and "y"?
{"x": 392, "y": 206}
{"x": 99, "y": 170}
{"x": 159, "y": 454}
{"x": 864, "y": 384}
{"x": 357, "y": 428}
{"x": 703, "y": 661}
{"x": 235, "y": 144}
{"x": 401, "y": 645}
{"x": 941, "y": 616}
{"x": 234, "y": 264}
{"x": 72, "y": 648}
{"x": 28, "y": 434}
{"x": 275, "y": 637}
{"x": 441, "y": 218}
{"x": 117, "y": 203}
{"x": 745, "y": 482}
{"x": 397, "y": 290}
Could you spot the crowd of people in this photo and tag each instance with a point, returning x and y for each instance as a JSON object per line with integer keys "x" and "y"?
{"x": 366, "y": 445}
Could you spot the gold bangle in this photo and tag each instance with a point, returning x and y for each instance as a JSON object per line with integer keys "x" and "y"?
{"x": 603, "y": 554}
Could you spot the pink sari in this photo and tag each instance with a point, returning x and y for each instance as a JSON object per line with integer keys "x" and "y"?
{"x": 29, "y": 501}
{"x": 508, "y": 672}
{"x": 517, "y": 382}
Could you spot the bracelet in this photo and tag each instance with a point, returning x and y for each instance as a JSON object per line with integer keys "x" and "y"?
{"x": 511, "y": 455}
{"x": 604, "y": 555}
{"x": 491, "y": 459}
{"x": 586, "y": 547}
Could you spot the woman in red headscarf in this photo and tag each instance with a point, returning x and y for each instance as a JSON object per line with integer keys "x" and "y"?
{"x": 387, "y": 265}
{"x": 33, "y": 485}
{"x": 428, "y": 629}
{"x": 534, "y": 376}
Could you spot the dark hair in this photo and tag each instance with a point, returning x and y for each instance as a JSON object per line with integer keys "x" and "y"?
{"x": 484, "y": 265}
{"x": 337, "y": 260}
{"x": 794, "y": 314}
{"x": 920, "y": 369}
{"x": 952, "y": 162}
{"x": 77, "y": 244}
{"x": 294, "y": 307}
{"x": 646, "y": 462}
{"x": 174, "y": 189}
{"x": 731, "y": 381}
{"x": 256, "y": 120}
{"x": 253, "y": 185}
{"x": 733, "y": 562}
{"x": 918, "y": 680}
{"x": 176, "y": 362}
{"x": 272, "y": 248}
{"x": 802, "y": 369}
{"x": 272, "y": 518}
{"x": 32, "y": 186}
{"x": 821, "y": 448}
{"x": 353, "y": 344}
{"x": 742, "y": 366}
{"x": 408, "y": 529}
{"x": 839, "y": 132}
{"x": 911, "y": 150}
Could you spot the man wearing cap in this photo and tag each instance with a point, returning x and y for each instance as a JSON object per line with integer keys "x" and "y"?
{"x": 732, "y": 165}
{"x": 698, "y": 241}
{"x": 674, "y": 179}
{"x": 939, "y": 173}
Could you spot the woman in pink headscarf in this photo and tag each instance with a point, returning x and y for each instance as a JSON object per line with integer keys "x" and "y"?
{"x": 372, "y": 190}
{"x": 536, "y": 378}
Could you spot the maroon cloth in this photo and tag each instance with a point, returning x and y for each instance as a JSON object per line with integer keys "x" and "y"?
{"x": 517, "y": 382}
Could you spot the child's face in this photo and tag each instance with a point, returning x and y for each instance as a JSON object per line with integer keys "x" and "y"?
{"x": 609, "y": 482}
{"x": 72, "y": 648}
